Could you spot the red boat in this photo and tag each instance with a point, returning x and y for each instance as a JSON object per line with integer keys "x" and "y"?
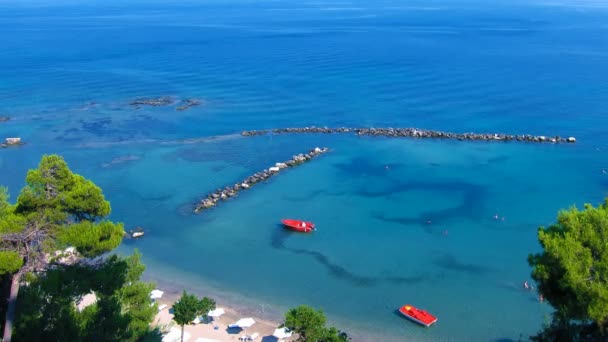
{"x": 299, "y": 226}
{"x": 419, "y": 316}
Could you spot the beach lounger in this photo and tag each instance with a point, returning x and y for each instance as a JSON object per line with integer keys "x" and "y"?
{"x": 243, "y": 338}
{"x": 253, "y": 337}
{"x": 160, "y": 308}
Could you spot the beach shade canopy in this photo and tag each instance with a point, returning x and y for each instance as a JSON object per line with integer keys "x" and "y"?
{"x": 245, "y": 322}
{"x": 156, "y": 294}
{"x": 282, "y": 333}
{"x": 216, "y": 313}
{"x": 175, "y": 334}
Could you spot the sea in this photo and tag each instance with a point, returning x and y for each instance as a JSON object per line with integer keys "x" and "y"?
{"x": 444, "y": 225}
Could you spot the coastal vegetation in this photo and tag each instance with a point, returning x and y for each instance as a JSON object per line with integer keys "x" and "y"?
{"x": 51, "y": 254}
{"x": 121, "y": 310}
{"x": 572, "y": 274}
{"x": 309, "y": 325}
{"x": 56, "y": 210}
{"x": 188, "y": 307}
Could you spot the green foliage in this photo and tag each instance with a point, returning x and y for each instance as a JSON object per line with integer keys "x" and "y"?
{"x": 47, "y": 310}
{"x": 91, "y": 239}
{"x": 559, "y": 331}
{"x": 207, "y": 304}
{"x": 186, "y": 309}
{"x": 135, "y": 297}
{"x": 57, "y": 208}
{"x": 572, "y": 270}
{"x": 9, "y": 222}
{"x": 10, "y": 262}
{"x": 309, "y": 325}
{"x": 53, "y": 190}
{"x": 334, "y": 335}
{"x": 307, "y": 322}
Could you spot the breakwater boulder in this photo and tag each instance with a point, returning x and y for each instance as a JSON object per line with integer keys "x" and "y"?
{"x": 219, "y": 195}
{"x": 413, "y": 133}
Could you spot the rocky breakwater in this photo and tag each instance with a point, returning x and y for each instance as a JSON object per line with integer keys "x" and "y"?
{"x": 414, "y": 133}
{"x": 220, "y": 195}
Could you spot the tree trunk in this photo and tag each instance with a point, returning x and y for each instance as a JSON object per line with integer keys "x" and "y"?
{"x": 12, "y": 306}
{"x": 182, "y": 334}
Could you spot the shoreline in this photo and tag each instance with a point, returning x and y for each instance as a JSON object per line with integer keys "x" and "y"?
{"x": 216, "y": 329}
{"x": 268, "y": 316}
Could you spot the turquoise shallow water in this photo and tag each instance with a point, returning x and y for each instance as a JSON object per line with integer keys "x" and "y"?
{"x": 516, "y": 68}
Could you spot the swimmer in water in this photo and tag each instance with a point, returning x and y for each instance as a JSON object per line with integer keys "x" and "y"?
{"x": 496, "y": 216}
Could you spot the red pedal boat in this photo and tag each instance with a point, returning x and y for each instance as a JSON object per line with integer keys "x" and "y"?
{"x": 299, "y": 226}
{"x": 419, "y": 316}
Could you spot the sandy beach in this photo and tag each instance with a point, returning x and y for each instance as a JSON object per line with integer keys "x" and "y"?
{"x": 216, "y": 329}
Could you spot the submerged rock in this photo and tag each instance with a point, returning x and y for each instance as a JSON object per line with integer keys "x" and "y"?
{"x": 158, "y": 101}
{"x": 4, "y": 118}
{"x": 187, "y": 103}
{"x": 120, "y": 161}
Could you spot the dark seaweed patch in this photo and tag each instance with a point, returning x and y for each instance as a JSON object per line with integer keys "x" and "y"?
{"x": 450, "y": 263}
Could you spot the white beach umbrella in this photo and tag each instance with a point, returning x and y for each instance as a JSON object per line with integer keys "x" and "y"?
{"x": 175, "y": 334}
{"x": 216, "y": 313}
{"x": 282, "y": 333}
{"x": 245, "y": 322}
{"x": 156, "y": 294}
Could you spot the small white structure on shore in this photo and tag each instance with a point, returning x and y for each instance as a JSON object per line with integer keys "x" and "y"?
{"x": 216, "y": 313}
{"x": 156, "y": 294}
{"x": 88, "y": 299}
{"x": 202, "y": 339}
{"x": 175, "y": 334}
{"x": 243, "y": 323}
{"x": 282, "y": 333}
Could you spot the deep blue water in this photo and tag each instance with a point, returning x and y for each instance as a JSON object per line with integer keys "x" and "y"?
{"x": 69, "y": 72}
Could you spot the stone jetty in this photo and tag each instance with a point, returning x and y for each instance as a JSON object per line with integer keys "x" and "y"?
{"x": 220, "y": 195}
{"x": 413, "y": 133}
